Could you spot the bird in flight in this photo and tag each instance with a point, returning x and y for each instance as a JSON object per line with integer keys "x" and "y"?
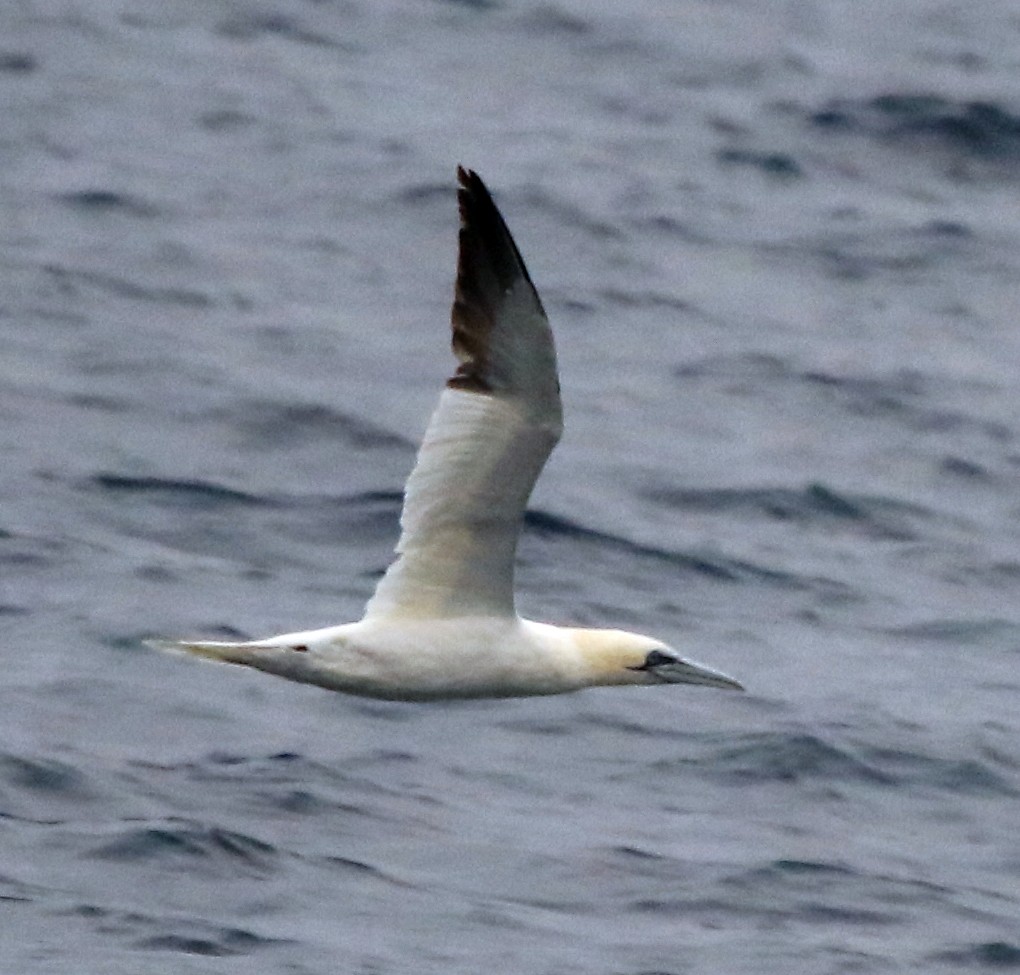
{"x": 442, "y": 622}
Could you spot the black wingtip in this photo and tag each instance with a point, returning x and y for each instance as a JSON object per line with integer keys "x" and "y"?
{"x": 479, "y": 215}
{"x": 488, "y": 266}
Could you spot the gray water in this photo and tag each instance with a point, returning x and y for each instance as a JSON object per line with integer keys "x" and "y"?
{"x": 780, "y": 246}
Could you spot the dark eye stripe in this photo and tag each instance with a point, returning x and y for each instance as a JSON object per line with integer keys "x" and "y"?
{"x": 655, "y": 658}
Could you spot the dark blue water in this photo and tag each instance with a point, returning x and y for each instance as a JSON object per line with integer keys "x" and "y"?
{"x": 780, "y": 246}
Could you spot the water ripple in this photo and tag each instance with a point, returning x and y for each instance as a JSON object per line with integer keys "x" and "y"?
{"x": 188, "y": 841}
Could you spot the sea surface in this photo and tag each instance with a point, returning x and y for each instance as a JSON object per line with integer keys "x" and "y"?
{"x": 779, "y": 243}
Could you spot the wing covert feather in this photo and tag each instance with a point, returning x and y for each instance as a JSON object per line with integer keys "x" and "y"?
{"x": 463, "y": 508}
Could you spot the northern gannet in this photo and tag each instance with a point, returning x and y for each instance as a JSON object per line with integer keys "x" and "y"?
{"x": 442, "y": 622}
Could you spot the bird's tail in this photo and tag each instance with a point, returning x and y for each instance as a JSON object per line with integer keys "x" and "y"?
{"x": 289, "y": 660}
{"x": 228, "y": 653}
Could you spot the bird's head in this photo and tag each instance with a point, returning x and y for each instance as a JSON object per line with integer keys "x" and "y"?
{"x": 618, "y": 657}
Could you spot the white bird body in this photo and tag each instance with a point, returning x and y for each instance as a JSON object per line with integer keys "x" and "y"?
{"x": 459, "y": 657}
{"x": 442, "y": 622}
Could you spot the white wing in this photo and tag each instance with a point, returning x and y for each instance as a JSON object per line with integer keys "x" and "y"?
{"x": 487, "y": 441}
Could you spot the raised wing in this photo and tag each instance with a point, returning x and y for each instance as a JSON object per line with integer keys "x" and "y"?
{"x": 497, "y": 422}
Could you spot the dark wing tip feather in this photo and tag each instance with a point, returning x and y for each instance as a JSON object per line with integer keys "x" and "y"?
{"x": 488, "y": 266}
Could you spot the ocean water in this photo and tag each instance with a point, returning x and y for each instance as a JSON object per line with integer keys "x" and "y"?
{"x": 780, "y": 246}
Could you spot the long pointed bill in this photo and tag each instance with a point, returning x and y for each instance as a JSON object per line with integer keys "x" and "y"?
{"x": 689, "y": 672}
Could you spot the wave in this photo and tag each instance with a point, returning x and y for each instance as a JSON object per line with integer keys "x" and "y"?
{"x": 802, "y": 756}
{"x": 711, "y": 565}
{"x": 905, "y": 397}
{"x": 189, "y": 842}
{"x": 817, "y": 504}
{"x": 999, "y": 955}
{"x": 190, "y": 493}
{"x": 976, "y": 128}
{"x": 187, "y": 935}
